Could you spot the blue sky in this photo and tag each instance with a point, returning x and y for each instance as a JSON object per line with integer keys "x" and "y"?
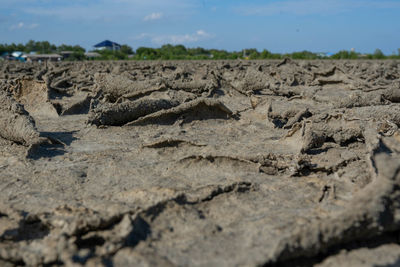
{"x": 276, "y": 25}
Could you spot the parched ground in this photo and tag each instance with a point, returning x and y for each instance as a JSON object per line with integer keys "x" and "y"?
{"x": 200, "y": 163}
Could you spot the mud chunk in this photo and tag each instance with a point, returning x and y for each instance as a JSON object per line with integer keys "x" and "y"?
{"x": 393, "y": 95}
{"x": 15, "y": 122}
{"x": 199, "y": 109}
{"x": 34, "y": 96}
{"x": 361, "y": 99}
{"x": 302, "y": 114}
{"x": 115, "y": 86}
{"x": 316, "y": 134}
{"x": 120, "y": 114}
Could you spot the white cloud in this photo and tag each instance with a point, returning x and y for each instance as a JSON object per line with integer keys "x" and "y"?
{"x": 19, "y": 25}
{"x": 199, "y": 35}
{"x": 22, "y": 25}
{"x": 308, "y": 7}
{"x": 153, "y": 16}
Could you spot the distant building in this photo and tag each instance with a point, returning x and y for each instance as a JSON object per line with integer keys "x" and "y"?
{"x": 92, "y": 55}
{"x": 325, "y": 54}
{"x": 17, "y": 56}
{"x": 66, "y": 54}
{"x": 43, "y": 57}
{"x": 108, "y": 45}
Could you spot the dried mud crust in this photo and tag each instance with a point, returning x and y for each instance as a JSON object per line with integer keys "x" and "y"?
{"x": 219, "y": 163}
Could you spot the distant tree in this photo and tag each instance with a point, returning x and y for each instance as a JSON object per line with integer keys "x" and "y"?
{"x": 179, "y": 50}
{"x": 12, "y": 47}
{"x": 219, "y": 54}
{"x": 169, "y": 51}
{"x": 126, "y": 49}
{"x": 378, "y": 54}
{"x": 343, "y": 54}
{"x": 245, "y": 53}
{"x": 198, "y": 51}
{"x": 146, "y": 53}
{"x": 75, "y": 48}
{"x": 111, "y": 55}
{"x": 30, "y": 46}
{"x": 265, "y": 54}
{"x": 44, "y": 47}
{"x": 76, "y": 56}
{"x": 233, "y": 55}
{"x": 20, "y": 47}
{"x": 304, "y": 55}
{"x": 3, "y": 49}
{"x": 252, "y": 53}
{"x": 166, "y": 52}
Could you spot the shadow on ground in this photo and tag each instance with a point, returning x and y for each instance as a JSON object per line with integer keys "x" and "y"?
{"x": 56, "y": 146}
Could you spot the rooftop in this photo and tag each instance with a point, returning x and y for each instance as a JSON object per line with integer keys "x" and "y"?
{"x": 107, "y": 43}
{"x": 92, "y": 54}
{"x": 42, "y": 56}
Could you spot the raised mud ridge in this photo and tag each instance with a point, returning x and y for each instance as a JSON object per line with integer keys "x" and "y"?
{"x": 220, "y": 163}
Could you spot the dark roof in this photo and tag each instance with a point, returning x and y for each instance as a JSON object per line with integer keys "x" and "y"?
{"x": 107, "y": 43}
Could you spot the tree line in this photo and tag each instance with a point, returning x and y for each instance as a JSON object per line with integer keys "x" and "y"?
{"x": 180, "y": 52}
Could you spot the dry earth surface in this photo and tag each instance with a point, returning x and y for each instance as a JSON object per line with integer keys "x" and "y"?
{"x": 219, "y": 163}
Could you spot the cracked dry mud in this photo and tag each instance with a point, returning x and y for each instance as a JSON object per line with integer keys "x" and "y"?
{"x": 220, "y": 163}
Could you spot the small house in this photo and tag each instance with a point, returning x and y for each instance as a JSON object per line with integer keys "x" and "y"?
{"x": 42, "y": 57}
{"x": 108, "y": 45}
{"x": 92, "y": 55}
{"x": 325, "y": 54}
{"x": 66, "y": 54}
{"x": 17, "y": 56}
{"x": 5, "y": 55}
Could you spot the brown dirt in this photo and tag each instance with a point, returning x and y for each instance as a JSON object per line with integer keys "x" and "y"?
{"x": 219, "y": 163}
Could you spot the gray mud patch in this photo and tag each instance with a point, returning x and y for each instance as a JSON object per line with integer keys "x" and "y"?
{"x": 200, "y": 163}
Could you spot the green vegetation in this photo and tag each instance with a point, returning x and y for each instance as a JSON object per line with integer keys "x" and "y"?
{"x": 345, "y": 55}
{"x": 78, "y": 52}
{"x": 44, "y": 47}
{"x": 111, "y": 55}
{"x": 180, "y": 52}
{"x": 127, "y": 50}
{"x": 75, "y": 48}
